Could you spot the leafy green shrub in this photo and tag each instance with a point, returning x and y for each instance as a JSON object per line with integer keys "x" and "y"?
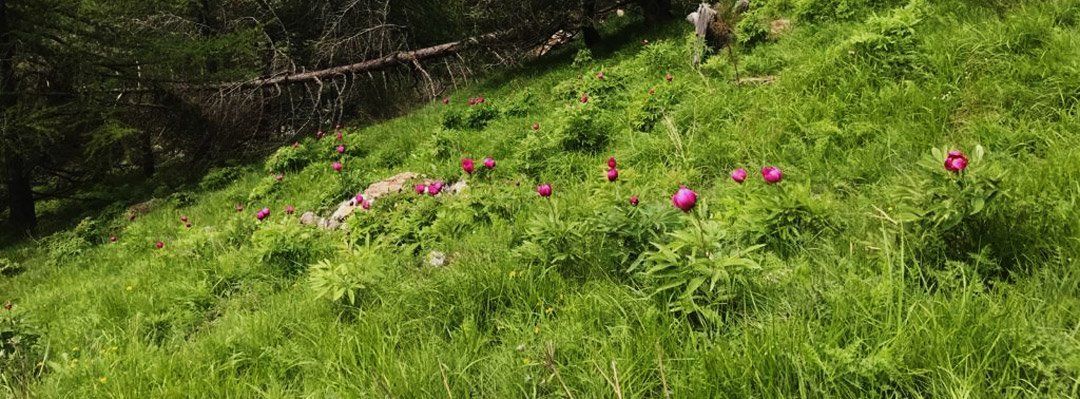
{"x": 264, "y": 190}
{"x": 583, "y": 58}
{"x": 66, "y": 246}
{"x": 966, "y": 217}
{"x": 21, "y": 353}
{"x": 289, "y": 158}
{"x": 647, "y": 112}
{"x": 183, "y": 198}
{"x": 701, "y": 273}
{"x": 664, "y": 55}
{"x": 521, "y": 104}
{"x": 631, "y": 231}
{"x": 220, "y": 177}
{"x": 584, "y": 129}
{"x": 533, "y": 151}
{"x": 554, "y": 241}
{"x": 752, "y": 29}
{"x": 349, "y": 279}
{"x": 833, "y": 10}
{"x": 395, "y": 220}
{"x": 475, "y": 117}
{"x": 791, "y": 219}
{"x": 288, "y": 247}
{"x": 888, "y": 44}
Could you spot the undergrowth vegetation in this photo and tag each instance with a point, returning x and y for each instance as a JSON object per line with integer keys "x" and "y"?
{"x": 917, "y": 237}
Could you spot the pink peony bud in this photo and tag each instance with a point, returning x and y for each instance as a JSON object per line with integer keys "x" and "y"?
{"x": 652, "y": 90}
{"x": 239, "y": 207}
{"x": 289, "y": 209}
{"x": 8, "y": 305}
{"x": 435, "y": 188}
{"x": 489, "y": 163}
{"x": 446, "y": 100}
{"x": 536, "y": 126}
{"x": 340, "y": 137}
{"x": 468, "y": 165}
{"x": 956, "y": 161}
{"x": 366, "y": 205}
{"x": 738, "y": 175}
{"x": 668, "y": 77}
{"x": 296, "y": 144}
{"x": 633, "y": 200}
{"x": 611, "y": 163}
{"x": 612, "y": 174}
{"x": 340, "y": 149}
{"x": 183, "y": 219}
{"x": 684, "y": 199}
{"x": 337, "y": 166}
{"x": 772, "y": 174}
{"x": 544, "y": 190}
{"x": 600, "y": 75}
{"x": 319, "y": 135}
{"x": 584, "y": 98}
{"x": 112, "y": 238}
{"x": 420, "y": 189}
{"x": 279, "y": 177}
{"x": 159, "y": 245}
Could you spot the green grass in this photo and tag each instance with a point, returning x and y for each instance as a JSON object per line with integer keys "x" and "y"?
{"x": 868, "y": 272}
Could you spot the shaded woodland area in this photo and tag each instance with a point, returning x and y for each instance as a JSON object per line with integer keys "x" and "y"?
{"x": 95, "y": 94}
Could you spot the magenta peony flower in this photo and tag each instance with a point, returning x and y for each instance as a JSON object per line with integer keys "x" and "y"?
{"x": 420, "y": 189}
{"x": 738, "y": 175}
{"x": 468, "y": 165}
{"x": 340, "y": 149}
{"x": 366, "y": 205}
{"x": 359, "y": 199}
{"x": 956, "y": 161}
{"x": 289, "y": 209}
{"x": 336, "y": 166}
{"x": 319, "y": 135}
{"x": 263, "y": 214}
{"x": 612, "y": 174}
{"x": 159, "y": 245}
{"x": 772, "y": 174}
{"x": 489, "y": 163}
{"x": 544, "y": 190}
{"x": 633, "y": 200}
{"x": 435, "y": 188}
{"x": 684, "y": 199}
{"x": 340, "y": 137}
{"x": 611, "y": 163}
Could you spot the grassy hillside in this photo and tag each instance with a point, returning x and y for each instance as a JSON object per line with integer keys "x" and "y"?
{"x": 868, "y": 271}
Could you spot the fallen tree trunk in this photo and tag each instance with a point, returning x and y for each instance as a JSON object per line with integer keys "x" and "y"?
{"x": 398, "y": 58}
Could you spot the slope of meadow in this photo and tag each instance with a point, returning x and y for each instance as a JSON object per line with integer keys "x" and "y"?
{"x": 868, "y": 271}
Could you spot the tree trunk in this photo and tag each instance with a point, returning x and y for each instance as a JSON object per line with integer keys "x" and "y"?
{"x": 656, "y": 11}
{"x": 146, "y": 155}
{"x": 20, "y": 197}
{"x": 20, "y": 194}
{"x": 588, "y": 29}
